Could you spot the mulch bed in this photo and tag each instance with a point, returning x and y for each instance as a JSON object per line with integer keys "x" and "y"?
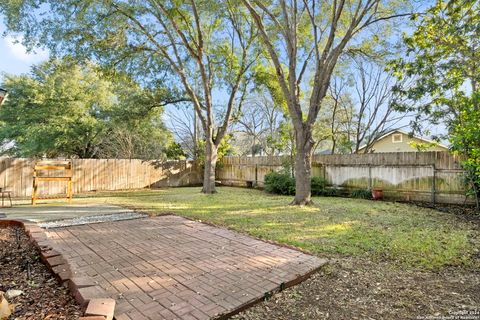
{"x": 356, "y": 288}
{"x": 43, "y": 297}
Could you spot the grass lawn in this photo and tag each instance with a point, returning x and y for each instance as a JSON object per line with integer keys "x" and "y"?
{"x": 406, "y": 235}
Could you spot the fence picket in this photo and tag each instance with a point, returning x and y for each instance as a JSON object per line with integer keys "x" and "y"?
{"x": 402, "y": 175}
{"x": 16, "y": 175}
{"x": 406, "y": 175}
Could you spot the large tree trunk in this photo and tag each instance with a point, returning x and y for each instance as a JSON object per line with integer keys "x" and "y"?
{"x": 209, "y": 167}
{"x": 303, "y": 169}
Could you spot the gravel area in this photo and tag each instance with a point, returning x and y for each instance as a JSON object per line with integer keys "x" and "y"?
{"x": 92, "y": 219}
{"x": 29, "y": 288}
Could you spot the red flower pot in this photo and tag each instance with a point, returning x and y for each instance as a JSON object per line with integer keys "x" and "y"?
{"x": 377, "y": 194}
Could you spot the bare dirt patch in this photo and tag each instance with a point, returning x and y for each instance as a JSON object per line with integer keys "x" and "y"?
{"x": 355, "y": 288}
{"x": 21, "y": 269}
{"x": 462, "y": 211}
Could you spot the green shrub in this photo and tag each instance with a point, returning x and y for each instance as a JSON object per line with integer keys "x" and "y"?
{"x": 282, "y": 183}
{"x": 361, "y": 193}
{"x": 318, "y": 185}
{"x": 330, "y": 192}
{"x": 319, "y": 188}
{"x": 279, "y": 183}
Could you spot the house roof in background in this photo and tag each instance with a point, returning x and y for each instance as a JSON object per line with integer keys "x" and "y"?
{"x": 408, "y": 134}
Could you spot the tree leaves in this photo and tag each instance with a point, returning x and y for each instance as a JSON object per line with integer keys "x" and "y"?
{"x": 444, "y": 61}
{"x": 72, "y": 110}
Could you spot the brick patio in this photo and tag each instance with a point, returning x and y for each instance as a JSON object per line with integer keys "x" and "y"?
{"x": 169, "y": 267}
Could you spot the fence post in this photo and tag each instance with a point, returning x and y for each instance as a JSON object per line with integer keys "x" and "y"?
{"x": 370, "y": 177}
{"x": 433, "y": 183}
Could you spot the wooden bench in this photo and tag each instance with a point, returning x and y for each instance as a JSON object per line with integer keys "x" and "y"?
{"x": 53, "y": 166}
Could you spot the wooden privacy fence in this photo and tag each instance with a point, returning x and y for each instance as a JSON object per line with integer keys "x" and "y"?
{"x": 418, "y": 176}
{"x": 16, "y": 175}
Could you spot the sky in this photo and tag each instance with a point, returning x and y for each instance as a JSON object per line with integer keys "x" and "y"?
{"x": 14, "y": 58}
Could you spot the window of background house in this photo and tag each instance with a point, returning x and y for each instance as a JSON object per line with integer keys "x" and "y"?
{"x": 397, "y": 138}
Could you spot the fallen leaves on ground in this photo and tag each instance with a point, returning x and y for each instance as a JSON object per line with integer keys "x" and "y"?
{"x": 356, "y": 288}
{"x": 42, "y": 297}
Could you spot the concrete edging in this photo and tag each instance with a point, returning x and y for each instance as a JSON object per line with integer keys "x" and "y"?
{"x": 89, "y": 296}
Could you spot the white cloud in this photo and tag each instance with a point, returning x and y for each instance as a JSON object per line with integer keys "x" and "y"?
{"x": 19, "y": 52}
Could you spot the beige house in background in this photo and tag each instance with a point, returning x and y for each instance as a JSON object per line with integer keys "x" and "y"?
{"x": 400, "y": 141}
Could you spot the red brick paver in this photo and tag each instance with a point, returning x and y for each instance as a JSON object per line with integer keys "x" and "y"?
{"x": 169, "y": 267}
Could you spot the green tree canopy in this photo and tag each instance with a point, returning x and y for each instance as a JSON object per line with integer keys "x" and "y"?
{"x": 444, "y": 62}
{"x": 204, "y": 47}
{"x": 65, "y": 109}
